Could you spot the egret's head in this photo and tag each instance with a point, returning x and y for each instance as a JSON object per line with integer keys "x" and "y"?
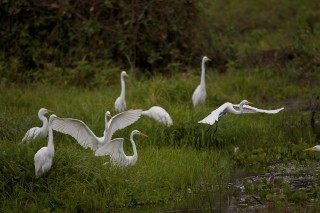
{"x": 205, "y": 59}
{"x": 245, "y": 102}
{"x": 137, "y": 132}
{"x": 315, "y": 148}
{"x": 44, "y": 111}
{"x": 108, "y": 115}
{"x": 124, "y": 74}
{"x": 53, "y": 116}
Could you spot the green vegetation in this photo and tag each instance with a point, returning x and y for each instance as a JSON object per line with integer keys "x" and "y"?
{"x": 172, "y": 161}
{"x": 67, "y": 56}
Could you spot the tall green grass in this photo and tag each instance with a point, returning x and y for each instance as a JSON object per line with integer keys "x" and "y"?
{"x": 172, "y": 160}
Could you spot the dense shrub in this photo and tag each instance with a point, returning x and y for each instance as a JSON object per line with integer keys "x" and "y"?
{"x": 144, "y": 34}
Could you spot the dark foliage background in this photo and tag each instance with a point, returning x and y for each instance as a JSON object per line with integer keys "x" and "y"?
{"x": 79, "y": 40}
{"x": 147, "y": 34}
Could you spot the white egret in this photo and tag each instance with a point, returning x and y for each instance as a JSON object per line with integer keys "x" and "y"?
{"x": 159, "y": 114}
{"x": 120, "y": 103}
{"x": 200, "y": 94}
{"x": 86, "y": 138}
{"x": 114, "y": 148}
{"x": 315, "y": 148}
{"x": 234, "y": 109}
{"x": 38, "y": 132}
{"x": 43, "y": 157}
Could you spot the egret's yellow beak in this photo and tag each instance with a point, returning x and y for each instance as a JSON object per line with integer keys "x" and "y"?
{"x": 59, "y": 118}
{"x": 309, "y": 149}
{"x": 49, "y": 110}
{"x": 249, "y": 103}
{"x": 143, "y": 134}
{"x": 110, "y": 115}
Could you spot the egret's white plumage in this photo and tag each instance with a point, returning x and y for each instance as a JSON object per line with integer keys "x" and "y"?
{"x": 315, "y": 148}
{"x": 38, "y": 132}
{"x": 86, "y": 138}
{"x": 159, "y": 114}
{"x": 43, "y": 157}
{"x": 200, "y": 94}
{"x": 114, "y": 148}
{"x": 120, "y": 103}
{"x": 243, "y": 107}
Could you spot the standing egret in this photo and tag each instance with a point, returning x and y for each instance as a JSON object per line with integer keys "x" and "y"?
{"x": 86, "y": 138}
{"x": 120, "y": 103}
{"x": 200, "y": 94}
{"x": 114, "y": 148}
{"x": 38, "y": 132}
{"x": 43, "y": 157}
{"x": 234, "y": 109}
{"x": 159, "y": 114}
{"x": 315, "y": 148}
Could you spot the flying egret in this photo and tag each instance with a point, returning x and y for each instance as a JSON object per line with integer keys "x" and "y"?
{"x": 114, "y": 148}
{"x": 159, "y": 114}
{"x": 241, "y": 108}
{"x": 200, "y": 94}
{"x": 315, "y": 148}
{"x": 120, "y": 103}
{"x": 43, "y": 157}
{"x": 38, "y": 132}
{"x": 86, "y": 138}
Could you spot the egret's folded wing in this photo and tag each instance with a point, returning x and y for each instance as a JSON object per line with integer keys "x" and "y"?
{"x": 114, "y": 148}
{"x": 250, "y": 109}
{"x": 78, "y": 130}
{"x": 211, "y": 119}
{"x": 122, "y": 120}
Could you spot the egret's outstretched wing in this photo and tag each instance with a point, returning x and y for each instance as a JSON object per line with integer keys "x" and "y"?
{"x": 78, "y": 130}
{"x": 215, "y": 114}
{"x": 114, "y": 148}
{"x": 250, "y": 109}
{"x": 122, "y": 120}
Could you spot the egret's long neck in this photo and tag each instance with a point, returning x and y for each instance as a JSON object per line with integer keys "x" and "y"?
{"x": 135, "y": 153}
{"x": 203, "y": 74}
{"x": 123, "y": 87}
{"x": 44, "y": 122}
{"x": 50, "y": 139}
{"x": 241, "y": 108}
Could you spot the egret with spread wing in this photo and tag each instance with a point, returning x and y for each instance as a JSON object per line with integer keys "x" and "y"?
{"x": 200, "y": 94}
{"x": 159, "y": 114}
{"x": 38, "y": 132}
{"x": 43, "y": 157}
{"x": 86, "y": 138}
{"x": 120, "y": 103}
{"x": 114, "y": 148}
{"x": 241, "y": 108}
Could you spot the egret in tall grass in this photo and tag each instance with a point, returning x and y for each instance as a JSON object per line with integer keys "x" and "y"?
{"x": 120, "y": 103}
{"x": 38, "y": 132}
{"x": 159, "y": 114}
{"x": 314, "y": 148}
{"x": 114, "y": 148}
{"x": 200, "y": 94}
{"x": 43, "y": 157}
{"x": 86, "y": 138}
{"x": 236, "y": 109}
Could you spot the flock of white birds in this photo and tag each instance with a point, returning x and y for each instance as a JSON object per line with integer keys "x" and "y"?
{"x": 105, "y": 145}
